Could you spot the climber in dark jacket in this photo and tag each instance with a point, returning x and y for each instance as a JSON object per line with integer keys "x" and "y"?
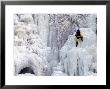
{"x": 78, "y": 36}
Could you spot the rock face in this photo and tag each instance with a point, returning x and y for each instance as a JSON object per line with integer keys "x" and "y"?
{"x": 46, "y": 44}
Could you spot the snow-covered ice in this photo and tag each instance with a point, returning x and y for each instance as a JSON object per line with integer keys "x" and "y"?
{"x": 46, "y": 43}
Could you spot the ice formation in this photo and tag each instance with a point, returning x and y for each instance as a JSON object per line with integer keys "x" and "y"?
{"x": 79, "y": 60}
{"x": 46, "y": 44}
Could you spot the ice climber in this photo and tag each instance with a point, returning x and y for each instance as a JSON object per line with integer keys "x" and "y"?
{"x": 78, "y": 37}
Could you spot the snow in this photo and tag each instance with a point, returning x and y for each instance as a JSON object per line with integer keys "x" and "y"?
{"x": 27, "y": 18}
{"x": 26, "y": 74}
{"x": 79, "y": 60}
{"x": 25, "y": 59}
{"x": 46, "y": 43}
{"x": 16, "y": 19}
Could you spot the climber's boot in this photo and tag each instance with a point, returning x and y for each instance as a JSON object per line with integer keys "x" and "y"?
{"x": 76, "y": 43}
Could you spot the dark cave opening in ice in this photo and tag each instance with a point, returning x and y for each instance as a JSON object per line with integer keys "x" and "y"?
{"x": 26, "y": 70}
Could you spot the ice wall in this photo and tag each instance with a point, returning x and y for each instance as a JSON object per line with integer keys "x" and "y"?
{"x": 46, "y": 43}
{"x": 80, "y": 60}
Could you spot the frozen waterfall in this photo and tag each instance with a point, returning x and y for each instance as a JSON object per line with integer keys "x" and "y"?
{"x": 80, "y": 60}
{"x": 45, "y": 44}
